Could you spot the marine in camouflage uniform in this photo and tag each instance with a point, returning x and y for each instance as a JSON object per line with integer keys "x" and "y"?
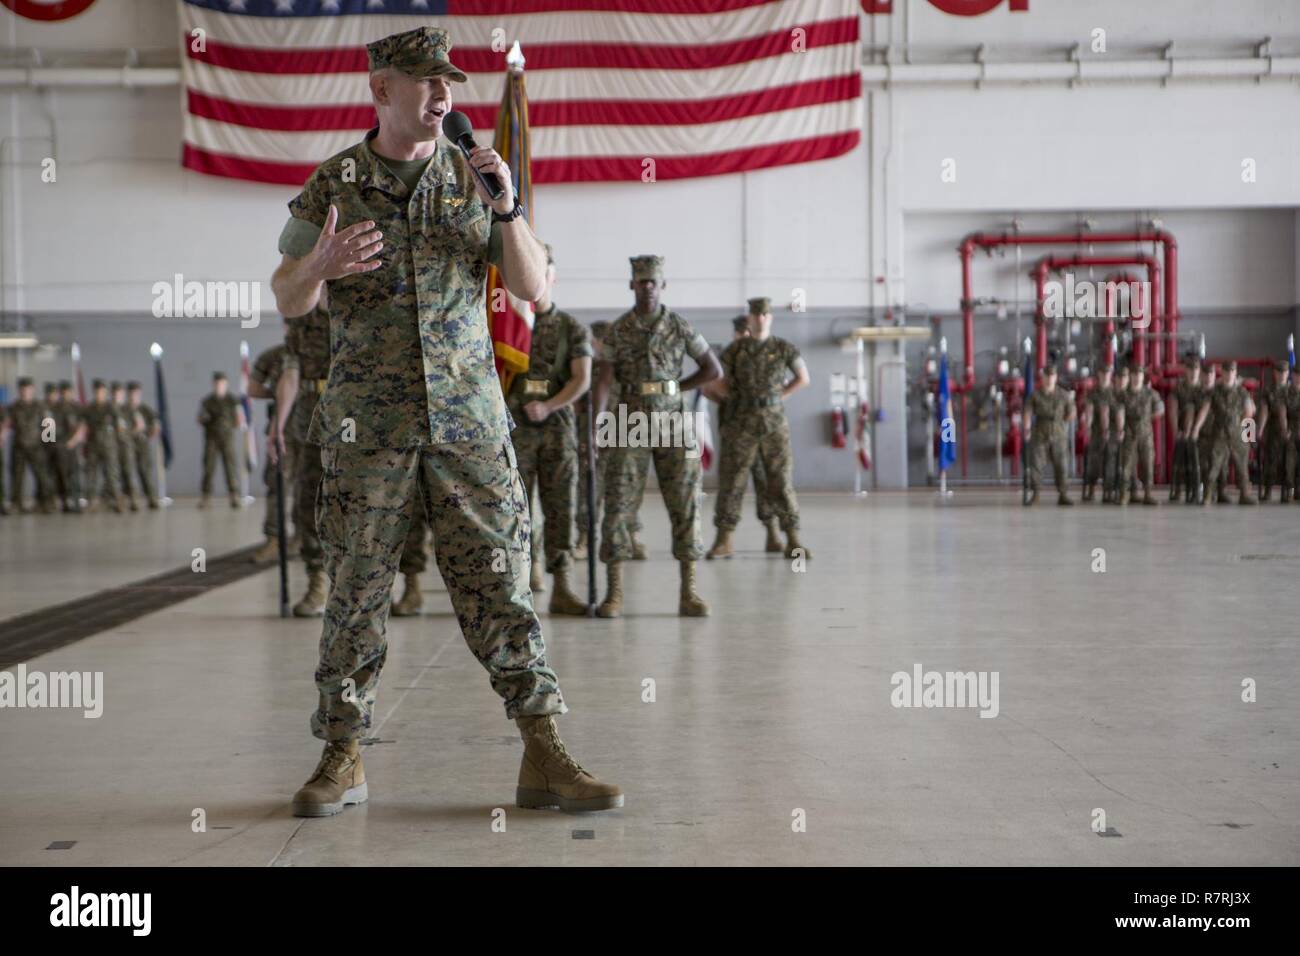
{"x": 71, "y": 438}
{"x": 1050, "y": 410}
{"x": 1141, "y": 405}
{"x": 304, "y": 376}
{"x": 1205, "y": 432}
{"x": 1231, "y": 406}
{"x": 645, "y": 349}
{"x": 50, "y": 449}
{"x": 103, "y": 426}
{"x": 27, "y": 416}
{"x": 540, "y": 401}
{"x": 221, "y": 417}
{"x": 1100, "y": 407}
{"x": 1274, "y": 433}
{"x": 125, "y": 443}
{"x": 759, "y": 372}
{"x": 1291, "y": 400}
{"x": 147, "y": 429}
{"x": 413, "y": 393}
{"x": 1186, "y": 476}
{"x": 598, "y": 331}
{"x": 762, "y": 504}
{"x": 263, "y": 381}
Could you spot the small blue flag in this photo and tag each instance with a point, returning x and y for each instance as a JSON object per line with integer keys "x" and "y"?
{"x": 943, "y": 410}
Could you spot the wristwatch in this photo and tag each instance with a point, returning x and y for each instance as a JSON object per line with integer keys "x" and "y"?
{"x": 510, "y": 216}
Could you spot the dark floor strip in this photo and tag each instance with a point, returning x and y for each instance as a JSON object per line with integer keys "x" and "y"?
{"x": 30, "y": 635}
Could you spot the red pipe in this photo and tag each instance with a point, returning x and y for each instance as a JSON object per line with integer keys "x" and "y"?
{"x": 981, "y": 240}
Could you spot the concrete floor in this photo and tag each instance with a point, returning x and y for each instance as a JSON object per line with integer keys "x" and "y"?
{"x": 1118, "y": 690}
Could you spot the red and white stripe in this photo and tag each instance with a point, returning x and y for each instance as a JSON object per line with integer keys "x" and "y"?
{"x": 700, "y": 94}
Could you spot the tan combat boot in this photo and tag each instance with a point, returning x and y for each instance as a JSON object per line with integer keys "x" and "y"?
{"x": 1033, "y": 497}
{"x": 550, "y": 777}
{"x": 638, "y": 549}
{"x": 563, "y": 600}
{"x": 204, "y": 501}
{"x": 536, "y": 577}
{"x": 1064, "y": 500}
{"x": 115, "y": 504}
{"x": 690, "y": 603}
{"x": 612, "y": 606}
{"x": 579, "y": 551}
{"x": 268, "y": 552}
{"x": 412, "y": 599}
{"x": 1247, "y": 498}
{"x": 1149, "y": 499}
{"x": 313, "y": 602}
{"x": 721, "y": 545}
{"x": 339, "y": 781}
{"x": 234, "y": 500}
{"x": 773, "y": 543}
{"x": 793, "y": 544}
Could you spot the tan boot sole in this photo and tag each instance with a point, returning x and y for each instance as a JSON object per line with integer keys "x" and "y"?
{"x": 299, "y": 610}
{"x": 541, "y": 799}
{"x": 352, "y": 797}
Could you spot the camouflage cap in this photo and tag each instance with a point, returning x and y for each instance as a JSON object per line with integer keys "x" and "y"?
{"x": 647, "y": 267}
{"x": 115, "y": 386}
{"x": 740, "y": 323}
{"x": 760, "y": 306}
{"x": 218, "y": 376}
{"x": 24, "y": 382}
{"x": 98, "y": 383}
{"x": 133, "y": 386}
{"x": 1281, "y": 365}
{"x": 64, "y": 385}
{"x": 420, "y": 53}
{"x": 50, "y": 387}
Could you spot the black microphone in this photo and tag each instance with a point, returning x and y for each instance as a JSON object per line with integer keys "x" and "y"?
{"x": 459, "y": 132}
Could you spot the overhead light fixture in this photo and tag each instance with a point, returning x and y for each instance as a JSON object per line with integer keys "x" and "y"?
{"x": 18, "y": 340}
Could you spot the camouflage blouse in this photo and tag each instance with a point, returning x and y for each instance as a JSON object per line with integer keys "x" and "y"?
{"x": 651, "y": 348}
{"x": 412, "y": 360}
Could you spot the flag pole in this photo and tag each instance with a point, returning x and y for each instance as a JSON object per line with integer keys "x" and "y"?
{"x": 159, "y": 467}
{"x": 590, "y": 479}
{"x": 1024, "y": 421}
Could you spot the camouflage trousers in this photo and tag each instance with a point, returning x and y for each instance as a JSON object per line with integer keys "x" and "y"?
{"x": 1211, "y": 484}
{"x": 144, "y": 468}
{"x": 1138, "y": 457}
{"x": 1100, "y": 461}
{"x": 21, "y": 459}
{"x": 747, "y": 441}
{"x": 1223, "y": 452}
{"x": 65, "y": 472}
{"x": 1187, "y": 468}
{"x": 1290, "y": 454}
{"x": 548, "y": 459}
{"x": 415, "y": 557}
{"x": 126, "y": 461}
{"x": 602, "y": 466}
{"x": 475, "y": 502}
{"x": 103, "y": 476}
{"x": 306, "y": 485}
{"x": 1272, "y": 452}
{"x": 271, "y": 521}
{"x": 679, "y": 474}
{"x": 223, "y": 447}
{"x": 1045, "y": 448}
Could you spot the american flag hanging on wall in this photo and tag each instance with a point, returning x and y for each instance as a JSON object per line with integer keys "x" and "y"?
{"x": 701, "y": 87}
